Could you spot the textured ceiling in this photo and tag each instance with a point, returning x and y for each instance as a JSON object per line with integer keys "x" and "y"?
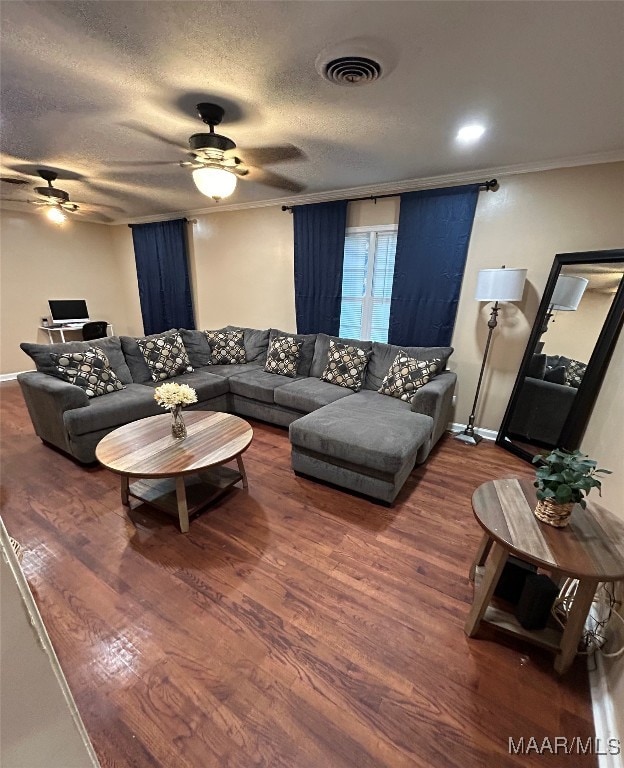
{"x": 88, "y": 86}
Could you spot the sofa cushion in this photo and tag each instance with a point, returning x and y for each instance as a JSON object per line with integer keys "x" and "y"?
{"x": 205, "y": 384}
{"x": 407, "y": 375}
{"x": 308, "y": 394}
{"x": 283, "y": 356}
{"x": 384, "y": 355}
{"x": 255, "y": 341}
{"x": 307, "y": 348}
{"x": 110, "y": 345}
{"x": 321, "y": 351}
{"x": 112, "y": 410}
{"x": 346, "y": 366}
{"x": 258, "y": 384}
{"x": 556, "y": 375}
{"x": 227, "y": 371}
{"x": 365, "y": 401}
{"x": 165, "y": 356}
{"x": 574, "y": 373}
{"x": 139, "y": 369}
{"x": 88, "y": 370}
{"x": 383, "y": 441}
{"x": 227, "y": 347}
{"x": 537, "y": 366}
{"x": 197, "y": 347}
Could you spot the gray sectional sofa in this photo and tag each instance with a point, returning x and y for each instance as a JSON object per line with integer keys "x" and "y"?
{"x": 365, "y": 441}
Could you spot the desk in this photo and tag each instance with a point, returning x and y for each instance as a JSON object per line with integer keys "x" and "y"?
{"x": 590, "y": 549}
{"x": 62, "y": 329}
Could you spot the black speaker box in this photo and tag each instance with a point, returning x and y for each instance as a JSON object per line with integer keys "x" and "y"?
{"x": 511, "y": 581}
{"x": 536, "y": 600}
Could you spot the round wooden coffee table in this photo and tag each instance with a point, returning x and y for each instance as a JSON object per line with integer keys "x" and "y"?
{"x": 177, "y": 476}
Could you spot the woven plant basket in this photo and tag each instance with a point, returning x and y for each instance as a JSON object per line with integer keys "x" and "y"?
{"x": 554, "y": 514}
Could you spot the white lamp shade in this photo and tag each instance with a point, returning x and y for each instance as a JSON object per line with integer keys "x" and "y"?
{"x": 500, "y": 284}
{"x": 214, "y": 182}
{"x": 568, "y": 292}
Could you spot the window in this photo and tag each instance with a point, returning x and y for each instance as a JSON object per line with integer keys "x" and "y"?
{"x": 367, "y": 274}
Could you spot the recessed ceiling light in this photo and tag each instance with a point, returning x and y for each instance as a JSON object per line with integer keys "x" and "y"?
{"x": 470, "y": 133}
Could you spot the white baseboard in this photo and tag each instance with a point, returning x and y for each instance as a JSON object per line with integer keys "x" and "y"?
{"x": 486, "y": 434}
{"x": 10, "y": 376}
{"x": 605, "y": 724}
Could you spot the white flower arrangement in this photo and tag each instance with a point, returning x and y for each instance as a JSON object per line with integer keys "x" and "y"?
{"x": 172, "y": 394}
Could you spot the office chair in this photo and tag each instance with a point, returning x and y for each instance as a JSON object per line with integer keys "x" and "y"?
{"x": 94, "y": 330}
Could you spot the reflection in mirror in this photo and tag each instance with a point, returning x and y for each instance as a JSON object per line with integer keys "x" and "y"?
{"x": 569, "y": 328}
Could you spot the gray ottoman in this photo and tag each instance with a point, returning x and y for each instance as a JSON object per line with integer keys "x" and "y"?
{"x": 353, "y": 444}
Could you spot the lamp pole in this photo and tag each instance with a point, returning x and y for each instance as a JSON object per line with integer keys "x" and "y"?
{"x": 468, "y": 435}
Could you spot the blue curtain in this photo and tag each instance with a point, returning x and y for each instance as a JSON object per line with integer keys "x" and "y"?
{"x": 162, "y": 270}
{"x": 432, "y": 244}
{"x": 319, "y": 253}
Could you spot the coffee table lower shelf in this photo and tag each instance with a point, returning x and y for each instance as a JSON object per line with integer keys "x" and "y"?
{"x": 184, "y": 495}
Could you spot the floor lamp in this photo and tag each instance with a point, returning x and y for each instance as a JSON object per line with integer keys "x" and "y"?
{"x": 492, "y": 285}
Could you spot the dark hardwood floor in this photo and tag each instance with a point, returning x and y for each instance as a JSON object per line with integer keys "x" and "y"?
{"x": 295, "y": 626}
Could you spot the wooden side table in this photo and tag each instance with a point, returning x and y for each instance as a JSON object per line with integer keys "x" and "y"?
{"x": 590, "y": 549}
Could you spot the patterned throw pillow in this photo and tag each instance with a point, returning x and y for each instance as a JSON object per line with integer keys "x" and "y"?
{"x": 346, "y": 366}
{"x": 227, "y": 347}
{"x": 165, "y": 356}
{"x": 89, "y": 370}
{"x": 574, "y": 373}
{"x": 283, "y": 356}
{"x": 407, "y": 374}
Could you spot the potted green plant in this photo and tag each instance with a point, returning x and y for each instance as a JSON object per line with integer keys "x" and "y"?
{"x": 562, "y": 480}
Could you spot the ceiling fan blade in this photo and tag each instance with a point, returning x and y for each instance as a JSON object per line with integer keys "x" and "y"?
{"x": 153, "y": 135}
{"x": 40, "y": 202}
{"x": 239, "y": 170}
{"x": 12, "y": 180}
{"x": 138, "y": 163}
{"x": 275, "y": 180}
{"x": 277, "y": 154}
{"x": 12, "y": 200}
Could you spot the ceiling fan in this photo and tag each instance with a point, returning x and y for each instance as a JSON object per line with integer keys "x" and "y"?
{"x": 55, "y": 200}
{"x": 214, "y": 172}
{"x": 216, "y": 169}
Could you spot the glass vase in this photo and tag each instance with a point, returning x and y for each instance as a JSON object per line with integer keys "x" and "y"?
{"x": 178, "y": 427}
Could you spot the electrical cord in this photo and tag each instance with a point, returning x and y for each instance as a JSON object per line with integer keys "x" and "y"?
{"x": 597, "y": 633}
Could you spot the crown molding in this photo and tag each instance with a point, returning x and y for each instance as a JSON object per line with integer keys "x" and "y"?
{"x": 371, "y": 190}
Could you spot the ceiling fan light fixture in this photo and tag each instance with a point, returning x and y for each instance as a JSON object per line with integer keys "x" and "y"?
{"x": 56, "y": 215}
{"x": 214, "y": 182}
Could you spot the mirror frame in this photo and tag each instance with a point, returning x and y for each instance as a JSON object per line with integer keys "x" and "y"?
{"x": 574, "y": 426}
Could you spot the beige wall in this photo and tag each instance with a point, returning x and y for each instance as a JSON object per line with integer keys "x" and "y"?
{"x": 574, "y": 334}
{"x": 123, "y": 253}
{"x": 243, "y": 267}
{"x": 603, "y": 442}
{"x": 40, "y": 261}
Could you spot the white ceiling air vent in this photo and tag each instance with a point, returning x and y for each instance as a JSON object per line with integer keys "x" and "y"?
{"x": 358, "y": 61}
{"x": 352, "y": 70}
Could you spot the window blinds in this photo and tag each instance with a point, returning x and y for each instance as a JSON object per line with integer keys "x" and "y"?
{"x": 368, "y": 271}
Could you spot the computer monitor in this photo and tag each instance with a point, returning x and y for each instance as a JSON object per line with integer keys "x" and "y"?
{"x": 68, "y": 310}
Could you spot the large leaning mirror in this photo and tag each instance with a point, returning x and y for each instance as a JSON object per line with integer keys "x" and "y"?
{"x": 575, "y": 330}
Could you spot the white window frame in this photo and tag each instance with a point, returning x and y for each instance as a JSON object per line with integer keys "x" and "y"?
{"x": 367, "y": 299}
